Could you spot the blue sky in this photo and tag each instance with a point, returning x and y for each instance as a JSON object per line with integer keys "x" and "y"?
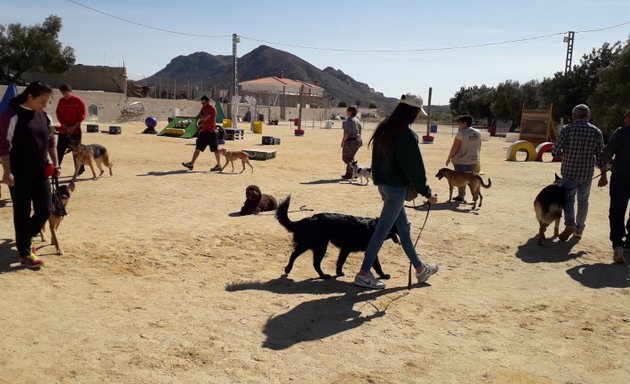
{"x": 330, "y": 26}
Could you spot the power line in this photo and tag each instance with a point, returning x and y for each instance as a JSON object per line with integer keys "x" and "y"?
{"x": 144, "y": 25}
{"x": 409, "y": 50}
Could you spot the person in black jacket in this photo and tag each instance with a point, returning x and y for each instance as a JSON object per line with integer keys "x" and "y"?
{"x": 618, "y": 150}
{"x": 26, "y": 142}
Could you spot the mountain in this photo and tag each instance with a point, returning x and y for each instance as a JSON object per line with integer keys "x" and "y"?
{"x": 264, "y": 61}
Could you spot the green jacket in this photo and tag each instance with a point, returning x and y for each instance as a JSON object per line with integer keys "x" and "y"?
{"x": 403, "y": 166}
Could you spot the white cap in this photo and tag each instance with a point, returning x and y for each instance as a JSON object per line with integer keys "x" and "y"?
{"x": 413, "y": 100}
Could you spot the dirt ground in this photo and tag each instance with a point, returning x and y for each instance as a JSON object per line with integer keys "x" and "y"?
{"x": 163, "y": 282}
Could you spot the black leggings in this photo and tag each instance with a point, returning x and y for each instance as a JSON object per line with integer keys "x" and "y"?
{"x": 23, "y": 193}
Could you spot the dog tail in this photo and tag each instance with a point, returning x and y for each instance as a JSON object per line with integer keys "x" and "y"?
{"x": 485, "y": 185}
{"x": 282, "y": 214}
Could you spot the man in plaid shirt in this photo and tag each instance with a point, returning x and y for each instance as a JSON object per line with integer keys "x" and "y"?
{"x": 580, "y": 145}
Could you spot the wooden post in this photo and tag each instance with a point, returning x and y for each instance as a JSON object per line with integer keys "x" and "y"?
{"x": 301, "y": 105}
{"x": 429, "y": 113}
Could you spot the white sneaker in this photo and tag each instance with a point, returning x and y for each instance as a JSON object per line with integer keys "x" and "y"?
{"x": 368, "y": 281}
{"x": 429, "y": 269}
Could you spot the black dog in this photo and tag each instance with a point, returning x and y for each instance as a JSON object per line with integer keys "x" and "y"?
{"x": 349, "y": 233}
{"x": 548, "y": 206}
{"x": 256, "y": 201}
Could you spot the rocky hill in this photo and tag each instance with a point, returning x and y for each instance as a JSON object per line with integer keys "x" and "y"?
{"x": 216, "y": 71}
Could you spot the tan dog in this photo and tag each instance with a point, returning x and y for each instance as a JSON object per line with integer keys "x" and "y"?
{"x": 60, "y": 200}
{"x": 461, "y": 179}
{"x": 87, "y": 155}
{"x": 232, "y": 156}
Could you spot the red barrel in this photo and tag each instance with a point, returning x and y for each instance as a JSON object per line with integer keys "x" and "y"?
{"x": 296, "y": 122}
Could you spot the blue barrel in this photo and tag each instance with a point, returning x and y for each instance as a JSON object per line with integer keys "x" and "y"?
{"x": 433, "y": 128}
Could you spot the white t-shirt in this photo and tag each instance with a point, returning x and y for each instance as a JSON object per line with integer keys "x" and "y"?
{"x": 471, "y": 147}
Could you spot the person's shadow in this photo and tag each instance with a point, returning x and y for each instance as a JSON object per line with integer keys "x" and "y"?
{"x": 7, "y": 256}
{"x": 321, "y": 318}
{"x": 322, "y": 181}
{"x": 550, "y": 252}
{"x": 601, "y": 275}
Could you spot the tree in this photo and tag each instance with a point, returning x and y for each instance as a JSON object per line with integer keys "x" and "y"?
{"x": 372, "y": 105}
{"x": 611, "y": 97}
{"x": 507, "y": 103}
{"x": 33, "y": 48}
{"x": 566, "y": 91}
{"x": 342, "y": 104}
{"x": 475, "y": 101}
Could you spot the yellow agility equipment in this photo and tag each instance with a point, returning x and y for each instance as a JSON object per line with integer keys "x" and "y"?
{"x": 521, "y": 145}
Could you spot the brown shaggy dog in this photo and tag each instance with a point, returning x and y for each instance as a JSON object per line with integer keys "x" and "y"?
{"x": 256, "y": 201}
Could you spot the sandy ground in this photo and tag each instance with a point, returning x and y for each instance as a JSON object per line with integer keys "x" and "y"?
{"x": 163, "y": 282}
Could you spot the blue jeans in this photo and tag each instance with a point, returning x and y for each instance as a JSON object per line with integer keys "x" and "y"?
{"x": 581, "y": 188}
{"x": 393, "y": 212}
{"x": 463, "y": 168}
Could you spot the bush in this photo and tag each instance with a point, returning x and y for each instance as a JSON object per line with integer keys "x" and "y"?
{"x": 342, "y": 104}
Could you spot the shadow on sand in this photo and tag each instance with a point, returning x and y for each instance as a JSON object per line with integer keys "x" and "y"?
{"x": 601, "y": 275}
{"x": 321, "y": 318}
{"x": 551, "y": 252}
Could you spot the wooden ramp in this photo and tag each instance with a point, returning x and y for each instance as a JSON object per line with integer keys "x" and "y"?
{"x": 537, "y": 126}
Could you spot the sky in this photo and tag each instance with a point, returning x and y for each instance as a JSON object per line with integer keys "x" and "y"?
{"x": 394, "y": 46}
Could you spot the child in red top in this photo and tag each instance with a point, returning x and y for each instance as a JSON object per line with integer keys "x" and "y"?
{"x": 70, "y": 114}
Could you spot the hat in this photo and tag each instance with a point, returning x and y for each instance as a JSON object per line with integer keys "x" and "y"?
{"x": 413, "y": 100}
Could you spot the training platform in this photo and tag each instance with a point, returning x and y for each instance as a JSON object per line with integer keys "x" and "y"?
{"x": 234, "y": 134}
{"x": 260, "y": 154}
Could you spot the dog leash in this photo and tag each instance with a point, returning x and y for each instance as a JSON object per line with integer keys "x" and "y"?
{"x": 594, "y": 177}
{"x": 417, "y": 239}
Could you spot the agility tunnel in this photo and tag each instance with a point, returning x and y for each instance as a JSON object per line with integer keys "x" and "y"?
{"x": 518, "y": 146}
{"x": 543, "y": 148}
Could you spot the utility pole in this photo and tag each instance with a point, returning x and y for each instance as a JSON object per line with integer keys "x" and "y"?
{"x": 235, "y": 41}
{"x": 569, "y": 40}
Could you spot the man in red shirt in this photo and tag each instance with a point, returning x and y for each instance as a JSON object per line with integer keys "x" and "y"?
{"x": 70, "y": 114}
{"x": 207, "y": 135}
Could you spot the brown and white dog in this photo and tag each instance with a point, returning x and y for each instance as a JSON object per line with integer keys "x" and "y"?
{"x": 232, "y": 156}
{"x": 256, "y": 201}
{"x": 60, "y": 200}
{"x": 461, "y": 179}
{"x": 87, "y": 155}
{"x": 548, "y": 206}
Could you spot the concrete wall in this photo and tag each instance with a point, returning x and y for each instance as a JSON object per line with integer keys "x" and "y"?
{"x": 109, "y": 106}
{"x": 111, "y": 79}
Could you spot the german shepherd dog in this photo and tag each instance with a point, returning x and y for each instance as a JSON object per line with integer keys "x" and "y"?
{"x": 60, "y": 200}
{"x": 360, "y": 172}
{"x": 87, "y": 155}
{"x": 461, "y": 179}
{"x": 232, "y": 156}
{"x": 349, "y": 233}
{"x": 548, "y": 206}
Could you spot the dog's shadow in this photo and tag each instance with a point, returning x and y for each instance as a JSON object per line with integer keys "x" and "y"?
{"x": 322, "y": 181}
{"x": 443, "y": 206}
{"x": 320, "y": 318}
{"x": 168, "y": 173}
{"x": 550, "y": 252}
{"x": 601, "y": 275}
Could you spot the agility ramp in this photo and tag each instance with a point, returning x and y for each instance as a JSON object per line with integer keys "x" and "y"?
{"x": 181, "y": 126}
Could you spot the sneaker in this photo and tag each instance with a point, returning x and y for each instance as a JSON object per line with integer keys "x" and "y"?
{"x": 368, "y": 281}
{"x": 188, "y": 165}
{"x": 346, "y": 177}
{"x": 459, "y": 199}
{"x": 578, "y": 232}
{"x": 215, "y": 168}
{"x": 31, "y": 261}
{"x": 568, "y": 231}
{"x": 618, "y": 255}
{"x": 429, "y": 269}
